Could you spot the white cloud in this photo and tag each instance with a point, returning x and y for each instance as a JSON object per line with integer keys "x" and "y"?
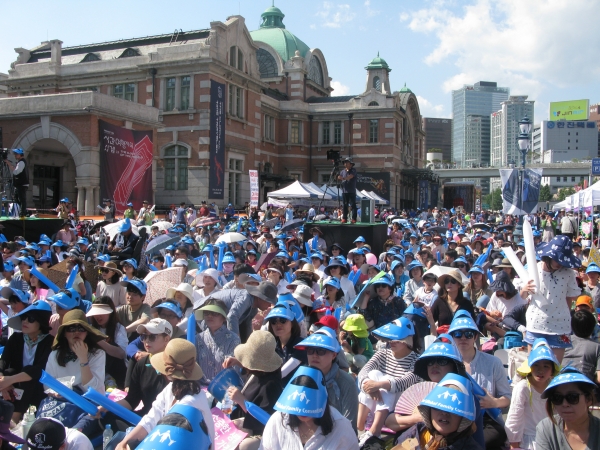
{"x": 529, "y": 46}
{"x": 339, "y": 88}
{"x": 370, "y": 12}
{"x": 335, "y": 15}
{"x": 428, "y": 109}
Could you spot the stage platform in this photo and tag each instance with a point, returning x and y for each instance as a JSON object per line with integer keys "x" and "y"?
{"x": 30, "y": 228}
{"x": 344, "y": 234}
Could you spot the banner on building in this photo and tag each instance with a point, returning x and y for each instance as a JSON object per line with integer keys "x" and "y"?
{"x": 216, "y": 177}
{"x": 379, "y": 183}
{"x": 434, "y": 195}
{"x": 423, "y": 194}
{"x": 253, "y": 187}
{"x": 511, "y": 191}
{"x": 125, "y": 165}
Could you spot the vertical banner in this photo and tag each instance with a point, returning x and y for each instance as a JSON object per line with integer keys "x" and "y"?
{"x": 125, "y": 165}
{"x": 253, "y": 187}
{"x": 532, "y": 183}
{"x": 423, "y": 194}
{"x": 510, "y": 190}
{"x": 216, "y": 177}
{"x": 434, "y": 195}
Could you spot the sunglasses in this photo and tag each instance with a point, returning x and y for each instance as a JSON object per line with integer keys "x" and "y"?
{"x": 468, "y": 334}
{"x": 29, "y": 318}
{"x": 148, "y": 337}
{"x": 450, "y": 280}
{"x": 75, "y": 329}
{"x": 105, "y": 270}
{"x": 318, "y": 351}
{"x": 460, "y": 266}
{"x": 276, "y": 320}
{"x": 572, "y": 398}
{"x": 438, "y": 361}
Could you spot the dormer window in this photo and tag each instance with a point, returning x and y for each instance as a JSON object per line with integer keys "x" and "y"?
{"x": 236, "y": 58}
{"x": 90, "y": 57}
{"x": 373, "y": 104}
{"x": 377, "y": 84}
{"x": 129, "y": 52}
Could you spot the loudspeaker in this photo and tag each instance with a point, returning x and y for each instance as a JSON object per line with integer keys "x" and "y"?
{"x": 345, "y": 234}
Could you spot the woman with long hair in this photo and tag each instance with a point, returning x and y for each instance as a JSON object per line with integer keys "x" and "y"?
{"x": 450, "y": 298}
{"x": 333, "y": 293}
{"x": 477, "y": 290}
{"x": 110, "y": 285}
{"x": 384, "y": 306}
{"x": 103, "y": 317}
{"x": 39, "y": 290}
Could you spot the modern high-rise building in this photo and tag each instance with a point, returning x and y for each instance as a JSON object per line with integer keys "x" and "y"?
{"x": 470, "y": 146}
{"x": 595, "y": 116}
{"x": 438, "y": 134}
{"x": 505, "y": 130}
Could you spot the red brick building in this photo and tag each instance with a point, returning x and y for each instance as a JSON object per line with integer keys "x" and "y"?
{"x": 281, "y": 115}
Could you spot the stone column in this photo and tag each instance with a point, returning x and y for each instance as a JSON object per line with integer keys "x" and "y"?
{"x": 89, "y": 200}
{"x": 80, "y": 199}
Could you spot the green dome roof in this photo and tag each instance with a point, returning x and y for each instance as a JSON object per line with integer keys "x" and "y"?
{"x": 272, "y": 32}
{"x": 405, "y": 89}
{"x": 378, "y": 63}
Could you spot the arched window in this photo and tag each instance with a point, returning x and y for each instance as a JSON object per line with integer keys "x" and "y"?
{"x": 373, "y": 104}
{"x": 90, "y": 57}
{"x": 176, "y": 168}
{"x": 315, "y": 71}
{"x": 236, "y": 58}
{"x": 266, "y": 64}
{"x": 129, "y": 52}
{"x": 377, "y": 84}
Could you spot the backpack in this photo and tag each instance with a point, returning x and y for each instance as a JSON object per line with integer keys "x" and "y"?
{"x": 513, "y": 339}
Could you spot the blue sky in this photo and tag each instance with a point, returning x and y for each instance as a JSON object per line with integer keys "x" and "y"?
{"x": 547, "y": 49}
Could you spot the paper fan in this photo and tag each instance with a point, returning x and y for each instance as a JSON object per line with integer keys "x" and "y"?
{"x": 412, "y": 397}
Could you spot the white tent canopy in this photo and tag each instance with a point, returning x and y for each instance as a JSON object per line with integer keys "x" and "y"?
{"x": 583, "y": 199}
{"x": 372, "y": 195}
{"x": 299, "y": 190}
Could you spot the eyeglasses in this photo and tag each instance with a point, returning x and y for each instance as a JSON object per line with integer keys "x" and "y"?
{"x": 213, "y": 314}
{"x": 127, "y": 266}
{"x": 149, "y": 337}
{"x": 460, "y": 266}
{"x": 468, "y": 334}
{"x": 318, "y": 351}
{"x": 105, "y": 270}
{"x": 572, "y": 398}
{"x": 167, "y": 317}
{"x": 450, "y": 280}
{"x": 29, "y": 318}
{"x": 75, "y": 329}
{"x": 437, "y": 361}
{"x": 500, "y": 295}
{"x": 276, "y": 320}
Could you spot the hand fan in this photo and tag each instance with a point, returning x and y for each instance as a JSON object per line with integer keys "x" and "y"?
{"x": 412, "y": 397}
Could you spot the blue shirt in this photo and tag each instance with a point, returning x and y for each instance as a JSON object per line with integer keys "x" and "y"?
{"x": 181, "y": 215}
{"x": 349, "y": 186}
{"x": 213, "y": 349}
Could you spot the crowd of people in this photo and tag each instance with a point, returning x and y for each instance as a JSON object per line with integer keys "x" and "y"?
{"x": 331, "y": 347}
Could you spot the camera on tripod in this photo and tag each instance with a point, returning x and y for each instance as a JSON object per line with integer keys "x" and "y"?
{"x": 4, "y": 154}
{"x": 334, "y": 156}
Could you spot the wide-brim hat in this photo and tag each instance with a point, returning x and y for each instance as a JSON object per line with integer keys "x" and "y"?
{"x": 308, "y": 401}
{"x": 40, "y": 309}
{"x": 308, "y": 269}
{"x": 502, "y": 283}
{"x": 185, "y": 288}
{"x": 345, "y": 160}
{"x": 77, "y": 317}
{"x": 258, "y": 353}
{"x": 266, "y": 291}
{"x": 505, "y": 263}
{"x": 396, "y": 330}
{"x": 199, "y": 313}
{"x": 357, "y": 325}
{"x": 178, "y": 361}
{"x": 540, "y": 351}
{"x": 111, "y": 266}
{"x": 463, "y": 321}
{"x": 336, "y": 263}
{"x": 454, "y": 273}
{"x": 324, "y": 338}
{"x": 6, "y": 412}
{"x": 568, "y": 374}
{"x": 560, "y": 249}
{"x": 443, "y": 347}
{"x": 318, "y": 230}
{"x": 303, "y": 294}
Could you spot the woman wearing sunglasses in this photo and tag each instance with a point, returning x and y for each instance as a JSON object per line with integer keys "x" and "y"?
{"x": 24, "y": 357}
{"x": 488, "y": 371}
{"x": 569, "y": 424}
{"x": 109, "y": 284}
{"x": 462, "y": 264}
{"x": 450, "y": 298}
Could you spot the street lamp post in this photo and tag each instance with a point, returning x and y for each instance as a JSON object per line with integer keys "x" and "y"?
{"x": 524, "y": 142}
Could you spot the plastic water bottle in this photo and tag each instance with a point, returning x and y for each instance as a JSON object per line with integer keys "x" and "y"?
{"x": 28, "y": 419}
{"x": 227, "y": 404}
{"x": 107, "y": 436}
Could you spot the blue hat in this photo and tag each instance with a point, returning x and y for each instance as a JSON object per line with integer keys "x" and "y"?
{"x": 228, "y": 258}
{"x": 6, "y": 292}
{"x": 42, "y": 259}
{"x": 176, "y": 229}
{"x": 44, "y": 242}
{"x": 477, "y": 269}
{"x": 568, "y": 374}
{"x": 427, "y": 233}
{"x": 33, "y": 246}
{"x": 307, "y": 401}
{"x": 454, "y": 394}
{"x": 8, "y": 266}
{"x": 21, "y": 243}
{"x": 415, "y": 310}
{"x": 124, "y": 226}
{"x": 58, "y": 243}
{"x": 187, "y": 240}
{"x": 207, "y": 248}
{"x": 170, "y": 437}
{"x": 462, "y": 321}
{"x": 64, "y": 200}
{"x": 140, "y": 285}
{"x": 132, "y": 262}
{"x": 316, "y": 255}
{"x": 360, "y": 251}
{"x": 460, "y": 230}
{"x": 171, "y": 306}
{"x": 83, "y": 241}
{"x": 591, "y": 268}
{"x": 129, "y": 204}
{"x": 540, "y": 350}
{"x": 105, "y": 258}
{"x": 332, "y": 281}
{"x": 282, "y": 310}
{"x": 396, "y": 263}
{"x": 320, "y": 304}
{"x": 293, "y": 304}
{"x": 359, "y": 239}
{"x": 443, "y": 347}
{"x": 536, "y": 233}
{"x": 67, "y": 298}
{"x": 18, "y": 151}
{"x": 413, "y": 265}
{"x": 396, "y": 331}
{"x": 27, "y": 260}
{"x": 251, "y": 252}
{"x": 521, "y": 243}
{"x": 171, "y": 248}
{"x": 560, "y": 249}
{"x": 323, "y": 338}
{"x": 39, "y": 305}
{"x": 461, "y": 259}
{"x": 413, "y": 235}
{"x": 282, "y": 254}
{"x": 449, "y": 234}
{"x": 386, "y": 279}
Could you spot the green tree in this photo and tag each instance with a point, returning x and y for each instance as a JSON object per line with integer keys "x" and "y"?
{"x": 545, "y": 193}
{"x": 494, "y": 199}
{"x": 564, "y": 193}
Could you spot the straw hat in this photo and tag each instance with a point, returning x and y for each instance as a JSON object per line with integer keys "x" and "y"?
{"x": 454, "y": 273}
{"x": 178, "y": 361}
{"x": 309, "y": 269}
{"x": 505, "y": 263}
{"x": 111, "y": 266}
{"x": 258, "y": 353}
{"x": 77, "y": 317}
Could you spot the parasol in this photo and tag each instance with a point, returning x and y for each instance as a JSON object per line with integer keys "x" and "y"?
{"x": 205, "y": 221}
{"x": 291, "y": 224}
{"x": 112, "y": 229}
{"x": 158, "y": 283}
{"x": 228, "y": 238}
{"x": 160, "y": 242}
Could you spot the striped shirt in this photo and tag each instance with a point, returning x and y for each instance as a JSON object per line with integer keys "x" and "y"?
{"x": 213, "y": 349}
{"x": 388, "y": 364}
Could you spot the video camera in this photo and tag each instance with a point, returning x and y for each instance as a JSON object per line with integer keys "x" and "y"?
{"x": 334, "y": 156}
{"x": 4, "y": 154}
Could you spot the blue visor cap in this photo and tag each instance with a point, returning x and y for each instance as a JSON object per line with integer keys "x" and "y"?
{"x": 284, "y": 255}
{"x": 307, "y": 401}
{"x": 443, "y": 347}
{"x": 132, "y": 262}
{"x": 359, "y": 239}
{"x": 27, "y": 260}
{"x": 395, "y": 331}
{"x": 9, "y": 266}
{"x": 104, "y": 258}
{"x": 386, "y": 280}
{"x": 83, "y": 241}
{"x": 332, "y": 281}
{"x": 140, "y": 285}
{"x": 323, "y": 338}
{"x": 281, "y": 310}
{"x": 591, "y": 268}
{"x": 540, "y": 350}
{"x": 476, "y": 269}
{"x": 316, "y": 255}
{"x": 293, "y": 304}
{"x": 453, "y": 395}
{"x": 58, "y": 243}
{"x": 66, "y": 299}
{"x": 23, "y": 296}
{"x": 568, "y": 374}
{"x": 174, "y": 307}
{"x": 462, "y": 321}
{"x": 228, "y": 258}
